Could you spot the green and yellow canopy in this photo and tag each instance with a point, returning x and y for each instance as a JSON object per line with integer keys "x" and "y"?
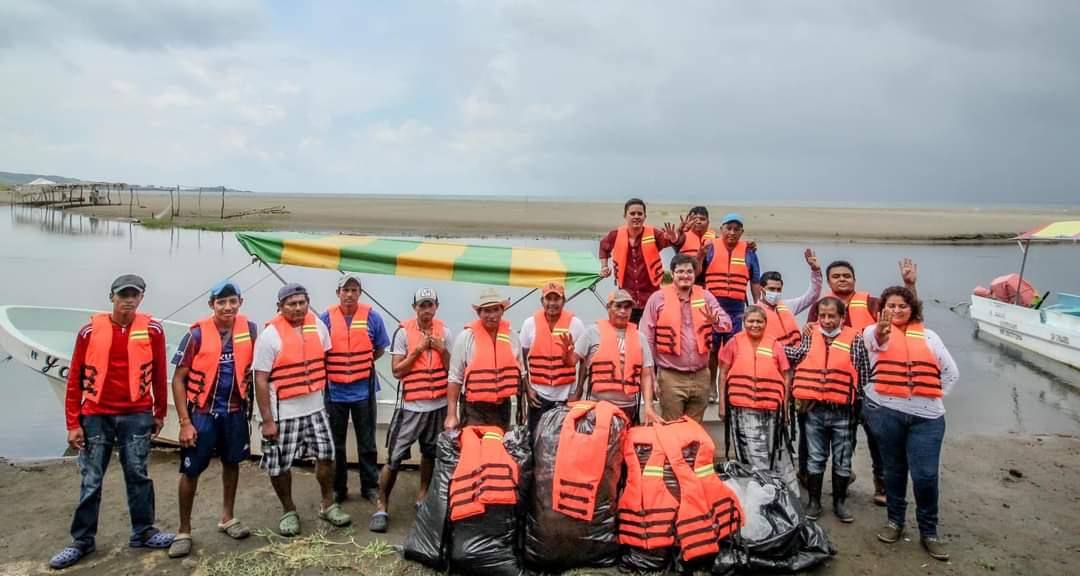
{"x": 1067, "y": 230}
{"x": 436, "y": 260}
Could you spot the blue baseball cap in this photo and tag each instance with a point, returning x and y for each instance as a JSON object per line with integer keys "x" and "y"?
{"x": 224, "y": 289}
{"x": 732, "y": 217}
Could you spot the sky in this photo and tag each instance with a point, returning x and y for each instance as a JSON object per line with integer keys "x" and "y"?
{"x": 891, "y": 101}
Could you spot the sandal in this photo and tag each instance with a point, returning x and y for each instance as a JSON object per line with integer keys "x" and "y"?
{"x": 289, "y": 525}
{"x": 156, "y": 540}
{"x": 68, "y": 557}
{"x": 235, "y": 529}
{"x": 181, "y": 546}
{"x": 336, "y": 516}
{"x": 379, "y": 522}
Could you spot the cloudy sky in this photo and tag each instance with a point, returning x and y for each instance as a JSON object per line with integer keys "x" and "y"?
{"x": 963, "y": 101}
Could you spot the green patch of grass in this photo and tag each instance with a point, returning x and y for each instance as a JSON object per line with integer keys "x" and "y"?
{"x": 208, "y": 225}
{"x": 314, "y": 554}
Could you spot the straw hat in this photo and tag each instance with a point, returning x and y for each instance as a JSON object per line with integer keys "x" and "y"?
{"x": 488, "y": 297}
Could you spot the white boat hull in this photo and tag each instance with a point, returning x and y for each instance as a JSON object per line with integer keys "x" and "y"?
{"x": 1044, "y": 332}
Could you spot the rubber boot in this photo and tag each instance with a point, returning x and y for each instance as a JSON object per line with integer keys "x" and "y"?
{"x": 813, "y": 486}
{"x": 839, "y": 498}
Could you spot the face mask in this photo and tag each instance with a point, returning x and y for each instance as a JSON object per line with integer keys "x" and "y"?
{"x": 771, "y": 297}
{"x": 831, "y": 333}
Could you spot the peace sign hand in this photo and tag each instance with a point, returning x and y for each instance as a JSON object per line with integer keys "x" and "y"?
{"x": 566, "y": 340}
{"x": 711, "y": 316}
{"x": 671, "y": 232}
{"x": 685, "y": 222}
{"x": 884, "y": 327}
{"x": 811, "y": 260}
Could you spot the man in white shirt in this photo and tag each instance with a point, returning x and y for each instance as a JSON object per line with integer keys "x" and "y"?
{"x": 547, "y": 344}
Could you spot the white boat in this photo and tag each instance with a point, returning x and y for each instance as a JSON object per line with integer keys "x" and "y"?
{"x": 1051, "y": 331}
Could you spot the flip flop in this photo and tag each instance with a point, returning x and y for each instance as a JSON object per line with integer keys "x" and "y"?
{"x": 289, "y": 525}
{"x": 235, "y": 529}
{"x": 379, "y": 522}
{"x": 181, "y": 546}
{"x": 68, "y": 557}
{"x": 156, "y": 540}
{"x": 336, "y": 516}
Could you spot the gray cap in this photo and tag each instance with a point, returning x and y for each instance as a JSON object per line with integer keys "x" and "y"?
{"x": 128, "y": 281}
{"x": 619, "y": 296}
{"x": 425, "y": 295}
{"x": 346, "y": 278}
{"x": 290, "y": 289}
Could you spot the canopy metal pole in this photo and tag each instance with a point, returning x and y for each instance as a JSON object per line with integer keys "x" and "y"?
{"x": 1023, "y": 263}
{"x": 598, "y": 297}
{"x": 518, "y": 301}
{"x": 376, "y": 302}
{"x": 272, "y": 271}
{"x": 195, "y": 299}
{"x": 578, "y": 293}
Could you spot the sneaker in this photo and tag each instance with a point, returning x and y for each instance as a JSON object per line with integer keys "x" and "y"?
{"x": 935, "y": 548}
{"x": 890, "y": 533}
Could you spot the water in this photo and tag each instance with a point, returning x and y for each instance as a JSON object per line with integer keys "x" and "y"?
{"x": 52, "y": 259}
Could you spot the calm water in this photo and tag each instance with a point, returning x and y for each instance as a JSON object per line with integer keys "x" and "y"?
{"x": 51, "y": 259}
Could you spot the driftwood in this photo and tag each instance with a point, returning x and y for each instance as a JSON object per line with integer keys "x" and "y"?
{"x": 272, "y": 210}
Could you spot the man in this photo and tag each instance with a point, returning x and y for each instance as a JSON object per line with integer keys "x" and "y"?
{"x": 212, "y": 392}
{"x": 116, "y": 397}
{"x": 635, "y": 249}
{"x": 547, "y": 342}
{"x": 420, "y": 354}
{"x": 616, "y": 360}
{"x": 290, "y": 376}
{"x": 696, "y": 231}
{"x": 678, "y": 323}
{"x": 357, "y": 339}
{"x": 486, "y": 364}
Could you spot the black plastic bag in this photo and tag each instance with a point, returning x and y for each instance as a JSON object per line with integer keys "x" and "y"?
{"x": 555, "y": 542}
{"x": 427, "y": 539}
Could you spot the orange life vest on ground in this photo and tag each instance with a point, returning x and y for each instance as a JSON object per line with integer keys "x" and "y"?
{"x": 485, "y": 473}
{"x": 351, "y": 356}
{"x": 604, "y": 370}
{"x": 300, "y": 366}
{"x": 492, "y": 374}
{"x": 647, "y": 509}
{"x": 858, "y": 310}
{"x": 621, "y": 254}
{"x": 546, "y": 366}
{"x": 908, "y": 366}
{"x": 579, "y": 463}
{"x": 140, "y": 357}
{"x": 692, "y": 242}
{"x": 754, "y": 380}
{"x": 728, "y": 274}
{"x": 781, "y": 325}
{"x": 708, "y": 510}
{"x": 670, "y": 324}
{"x": 827, "y": 373}
{"x": 202, "y": 377}
{"x": 426, "y": 378}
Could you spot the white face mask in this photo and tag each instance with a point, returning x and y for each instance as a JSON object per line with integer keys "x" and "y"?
{"x": 831, "y": 333}
{"x": 771, "y": 297}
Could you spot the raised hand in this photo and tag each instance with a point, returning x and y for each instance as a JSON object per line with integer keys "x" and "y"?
{"x": 567, "y": 341}
{"x": 884, "y": 327}
{"x": 811, "y": 260}
{"x": 711, "y": 316}
{"x": 686, "y": 222}
{"x": 671, "y": 232}
{"x": 909, "y": 271}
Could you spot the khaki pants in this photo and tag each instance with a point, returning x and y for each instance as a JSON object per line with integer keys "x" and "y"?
{"x": 683, "y": 393}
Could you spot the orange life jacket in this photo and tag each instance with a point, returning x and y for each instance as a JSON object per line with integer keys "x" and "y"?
{"x": 647, "y": 509}
{"x": 140, "y": 357}
{"x": 827, "y": 373}
{"x": 781, "y": 325}
{"x": 692, "y": 242}
{"x": 754, "y": 380}
{"x": 202, "y": 377}
{"x": 728, "y": 274}
{"x": 621, "y": 255}
{"x": 604, "y": 370}
{"x": 492, "y": 374}
{"x": 351, "y": 356}
{"x": 546, "y": 366}
{"x": 708, "y": 510}
{"x": 858, "y": 310}
{"x": 485, "y": 473}
{"x": 579, "y": 463}
{"x": 426, "y": 378}
{"x": 907, "y": 366}
{"x": 670, "y": 324}
{"x": 300, "y": 366}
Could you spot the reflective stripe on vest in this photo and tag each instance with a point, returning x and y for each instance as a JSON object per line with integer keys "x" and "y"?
{"x": 647, "y": 509}
{"x": 610, "y": 373}
{"x": 351, "y": 356}
{"x": 858, "y": 311}
{"x": 692, "y": 242}
{"x": 546, "y": 364}
{"x": 485, "y": 473}
{"x": 669, "y": 325}
{"x": 827, "y": 373}
{"x": 426, "y": 378}
{"x": 907, "y": 366}
{"x": 754, "y": 379}
{"x": 202, "y": 377}
{"x": 492, "y": 374}
{"x": 579, "y": 463}
{"x": 781, "y": 325}
{"x": 140, "y": 357}
{"x": 300, "y": 367}
{"x": 620, "y": 254}
{"x": 728, "y": 274}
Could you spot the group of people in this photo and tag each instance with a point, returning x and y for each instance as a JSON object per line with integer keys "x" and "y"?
{"x": 679, "y": 346}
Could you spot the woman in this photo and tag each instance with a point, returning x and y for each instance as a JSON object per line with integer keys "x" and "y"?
{"x": 910, "y": 373}
{"x": 755, "y": 381}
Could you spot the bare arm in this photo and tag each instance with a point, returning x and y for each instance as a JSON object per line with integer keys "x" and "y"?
{"x": 453, "y": 393}
{"x": 262, "y": 395}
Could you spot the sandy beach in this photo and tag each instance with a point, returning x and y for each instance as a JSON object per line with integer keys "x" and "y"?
{"x": 1009, "y": 505}
{"x": 513, "y": 217}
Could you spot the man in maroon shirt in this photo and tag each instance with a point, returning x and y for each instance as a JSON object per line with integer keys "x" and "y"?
{"x": 116, "y": 397}
{"x": 636, "y": 278}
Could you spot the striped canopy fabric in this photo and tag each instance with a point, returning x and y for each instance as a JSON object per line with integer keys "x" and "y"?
{"x": 1068, "y": 230}
{"x": 436, "y": 260}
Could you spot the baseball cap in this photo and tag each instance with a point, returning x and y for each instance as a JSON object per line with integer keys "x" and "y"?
{"x": 619, "y": 296}
{"x": 732, "y": 217}
{"x": 224, "y": 289}
{"x": 346, "y": 278}
{"x": 290, "y": 289}
{"x": 425, "y": 295}
{"x": 128, "y": 281}
{"x": 552, "y": 288}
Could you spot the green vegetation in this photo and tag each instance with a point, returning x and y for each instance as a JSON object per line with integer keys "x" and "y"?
{"x": 210, "y": 225}
{"x": 315, "y": 554}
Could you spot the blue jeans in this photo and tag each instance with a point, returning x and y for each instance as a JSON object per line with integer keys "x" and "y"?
{"x": 130, "y": 434}
{"x": 909, "y": 443}
{"x": 829, "y": 429}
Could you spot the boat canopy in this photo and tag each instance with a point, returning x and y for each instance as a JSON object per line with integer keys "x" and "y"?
{"x": 524, "y": 267}
{"x": 1065, "y": 230}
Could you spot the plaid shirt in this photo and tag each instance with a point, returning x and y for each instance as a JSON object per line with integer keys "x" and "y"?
{"x": 859, "y": 357}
